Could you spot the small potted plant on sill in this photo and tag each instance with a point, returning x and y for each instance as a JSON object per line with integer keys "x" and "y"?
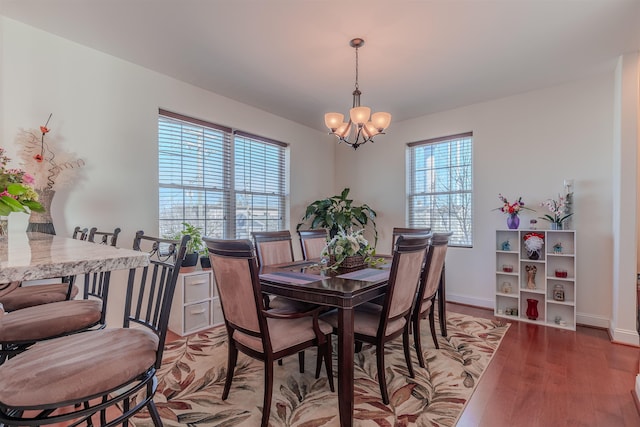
{"x": 195, "y": 246}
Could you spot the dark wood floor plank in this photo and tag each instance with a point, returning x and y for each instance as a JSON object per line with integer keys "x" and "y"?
{"x": 542, "y": 376}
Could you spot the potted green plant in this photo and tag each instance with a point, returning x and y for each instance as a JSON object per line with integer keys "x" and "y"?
{"x": 195, "y": 246}
{"x": 339, "y": 212}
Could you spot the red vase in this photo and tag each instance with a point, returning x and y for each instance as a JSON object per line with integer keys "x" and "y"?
{"x": 532, "y": 309}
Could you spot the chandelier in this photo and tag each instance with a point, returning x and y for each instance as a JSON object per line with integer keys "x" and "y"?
{"x": 362, "y": 125}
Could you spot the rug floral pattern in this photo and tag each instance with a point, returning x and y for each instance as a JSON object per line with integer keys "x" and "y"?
{"x": 192, "y": 378}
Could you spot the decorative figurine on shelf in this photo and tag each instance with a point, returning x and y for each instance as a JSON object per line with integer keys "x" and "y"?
{"x": 558, "y": 292}
{"x": 533, "y": 223}
{"x": 506, "y": 246}
{"x": 533, "y": 243}
{"x": 557, "y": 248}
{"x": 531, "y": 276}
{"x": 506, "y": 287}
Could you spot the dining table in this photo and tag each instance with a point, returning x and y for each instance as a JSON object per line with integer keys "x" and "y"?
{"x": 308, "y": 282}
{"x": 33, "y": 255}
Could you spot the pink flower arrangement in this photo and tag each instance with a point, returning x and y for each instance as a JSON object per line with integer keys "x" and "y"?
{"x": 511, "y": 208}
{"x": 16, "y": 189}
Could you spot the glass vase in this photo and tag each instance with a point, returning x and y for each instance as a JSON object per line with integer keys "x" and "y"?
{"x": 556, "y": 226}
{"x": 513, "y": 222}
{"x": 532, "y": 309}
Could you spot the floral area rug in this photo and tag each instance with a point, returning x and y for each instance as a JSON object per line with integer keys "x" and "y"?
{"x": 192, "y": 378}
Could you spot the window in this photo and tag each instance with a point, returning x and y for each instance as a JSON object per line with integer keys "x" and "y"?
{"x": 227, "y": 183}
{"x": 441, "y": 186}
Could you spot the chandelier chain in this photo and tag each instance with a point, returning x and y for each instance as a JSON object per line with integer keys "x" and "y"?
{"x": 357, "y": 86}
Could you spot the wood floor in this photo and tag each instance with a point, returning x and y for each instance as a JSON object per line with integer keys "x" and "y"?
{"x": 549, "y": 377}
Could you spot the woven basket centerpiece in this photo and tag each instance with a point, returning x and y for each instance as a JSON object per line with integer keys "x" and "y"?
{"x": 350, "y": 263}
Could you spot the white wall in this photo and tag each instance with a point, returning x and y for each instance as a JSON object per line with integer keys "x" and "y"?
{"x": 105, "y": 110}
{"x": 524, "y": 145}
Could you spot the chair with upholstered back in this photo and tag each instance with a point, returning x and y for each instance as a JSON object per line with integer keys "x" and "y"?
{"x": 425, "y": 300}
{"x": 89, "y": 372}
{"x": 407, "y": 231}
{"x": 379, "y": 324}
{"x": 273, "y": 247}
{"x": 259, "y": 333}
{"x": 313, "y": 242}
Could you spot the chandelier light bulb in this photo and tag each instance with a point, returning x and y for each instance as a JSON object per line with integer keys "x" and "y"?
{"x": 370, "y": 130}
{"x": 343, "y": 130}
{"x": 381, "y": 120}
{"x": 360, "y": 115}
{"x": 333, "y": 120}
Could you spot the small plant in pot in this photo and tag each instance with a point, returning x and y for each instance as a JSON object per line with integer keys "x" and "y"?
{"x": 195, "y": 246}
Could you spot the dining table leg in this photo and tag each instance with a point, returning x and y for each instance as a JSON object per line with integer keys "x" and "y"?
{"x": 345, "y": 366}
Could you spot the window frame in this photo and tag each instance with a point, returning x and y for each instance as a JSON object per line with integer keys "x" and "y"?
{"x": 458, "y": 172}
{"x": 222, "y": 180}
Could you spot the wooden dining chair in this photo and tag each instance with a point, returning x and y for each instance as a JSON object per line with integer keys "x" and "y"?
{"x": 313, "y": 242}
{"x": 89, "y": 372}
{"x": 273, "y": 247}
{"x": 429, "y": 282}
{"x": 407, "y": 231}
{"x": 266, "y": 335}
{"x": 379, "y": 324}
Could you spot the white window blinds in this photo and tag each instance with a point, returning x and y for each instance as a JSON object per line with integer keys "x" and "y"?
{"x": 441, "y": 186}
{"x": 226, "y": 183}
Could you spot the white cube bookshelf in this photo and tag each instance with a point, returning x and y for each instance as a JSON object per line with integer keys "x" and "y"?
{"x": 557, "y": 309}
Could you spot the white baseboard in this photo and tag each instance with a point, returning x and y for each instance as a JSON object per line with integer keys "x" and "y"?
{"x": 477, "y": 302}
{"x": 592, "y": 320}
{"x": 625, "y": 336}
{"x": 618, "y": 335}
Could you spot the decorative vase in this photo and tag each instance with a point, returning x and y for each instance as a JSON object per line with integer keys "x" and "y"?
{"x": 4, "y": 226}
{"x": 532, "y": 309}
{"x": 534, "y": 255}
{"x": 556, "y": 226}
{"x": 513, "y": 221}
{"x": 42, "y": 221}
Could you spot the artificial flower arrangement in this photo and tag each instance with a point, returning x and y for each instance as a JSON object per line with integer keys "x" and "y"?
{"x": 17, "y": 192}
{"x": 558, "y": 209}
{"x": 533, "y": 243}
{"x": 45, "y": 161}
{"x": 347, "y": 244}
{"x": 511, "y": 208}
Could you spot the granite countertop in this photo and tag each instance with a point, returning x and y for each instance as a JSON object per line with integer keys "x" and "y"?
{"x": 32, "y": 256}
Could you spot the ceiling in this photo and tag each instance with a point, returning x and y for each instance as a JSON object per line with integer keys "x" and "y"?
{"x": 292, "y": 58}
